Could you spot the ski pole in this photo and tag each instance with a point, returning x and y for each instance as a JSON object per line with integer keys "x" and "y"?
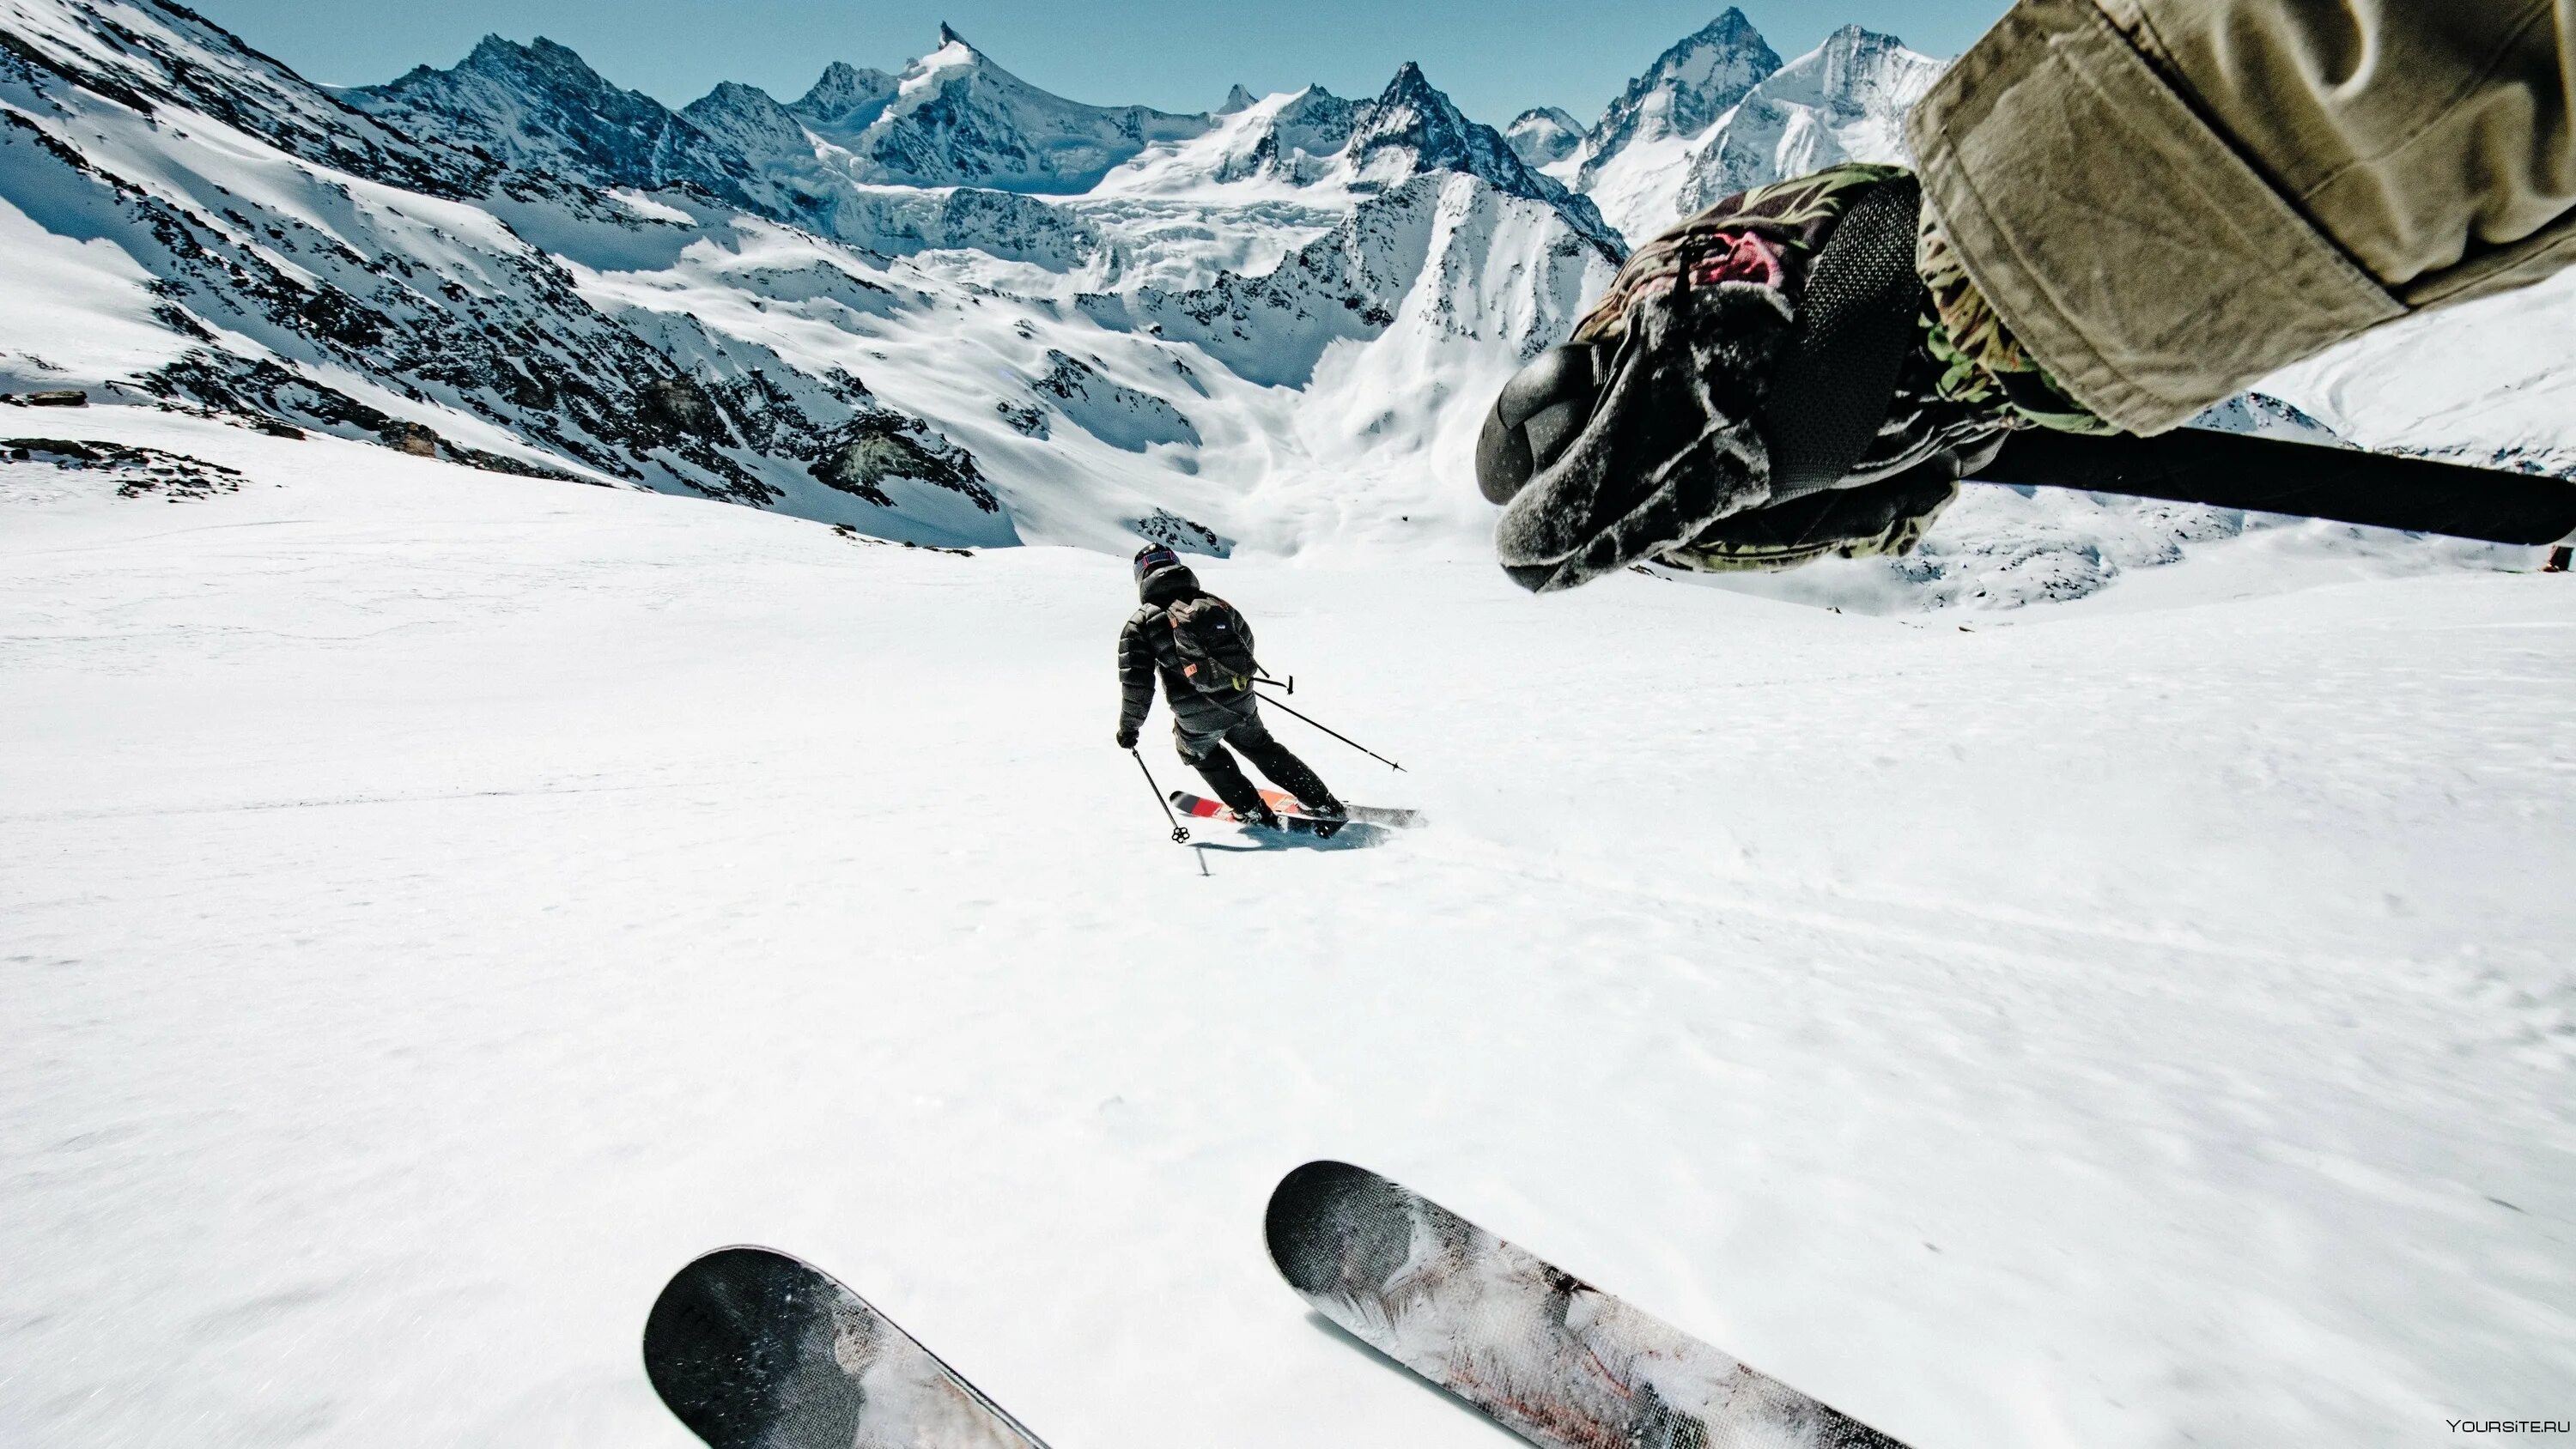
{"x": 1180, "y": 832}
{"x": 1337, "y": 734}
{"x": 1289, "y": 684}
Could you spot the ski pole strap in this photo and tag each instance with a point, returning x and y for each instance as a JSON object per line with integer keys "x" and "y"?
{"x": 2269, "y": 475}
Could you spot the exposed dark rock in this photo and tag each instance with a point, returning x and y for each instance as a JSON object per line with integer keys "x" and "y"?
{"x": 137, "y": 471}
{"x": 417, "y": 439}
{"x": 1182, "y": 535}
{"x": 873, "y": 448}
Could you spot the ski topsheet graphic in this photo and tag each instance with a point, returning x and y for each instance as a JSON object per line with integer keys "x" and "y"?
{"x": 1199, "y": 807}
{"x": 1285, "y": 803}
{"x": 753, "y": 1349}
{"x": 1548, "y": 1356}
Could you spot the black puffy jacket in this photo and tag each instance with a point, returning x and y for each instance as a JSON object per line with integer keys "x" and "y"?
{"x": 1146, "y": 648}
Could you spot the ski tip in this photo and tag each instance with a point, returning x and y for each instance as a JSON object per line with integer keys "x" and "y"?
{"x": 723, "y": 1340}
{"x": 1329, "y": 1220}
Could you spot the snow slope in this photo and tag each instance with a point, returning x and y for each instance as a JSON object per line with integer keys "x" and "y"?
{"x": 441, "y": 903}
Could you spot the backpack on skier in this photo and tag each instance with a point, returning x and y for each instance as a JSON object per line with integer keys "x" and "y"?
{"x": 1215, "y": 645}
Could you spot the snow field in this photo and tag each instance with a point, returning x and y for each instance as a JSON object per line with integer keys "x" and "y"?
{"x": 440, "y": 904}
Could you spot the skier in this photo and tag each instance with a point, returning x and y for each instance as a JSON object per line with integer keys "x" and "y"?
{"x": 1203, "y": 650}
{"x": 2125, "y": 211}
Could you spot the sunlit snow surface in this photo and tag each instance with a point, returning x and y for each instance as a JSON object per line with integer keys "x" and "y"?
{"x": 439, "y": 905}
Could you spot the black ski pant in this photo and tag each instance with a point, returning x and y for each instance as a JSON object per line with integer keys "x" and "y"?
{"x": 1207, "y": 754}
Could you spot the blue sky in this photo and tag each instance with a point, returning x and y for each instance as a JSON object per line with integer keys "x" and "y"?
{"x": 1495, "y": 58}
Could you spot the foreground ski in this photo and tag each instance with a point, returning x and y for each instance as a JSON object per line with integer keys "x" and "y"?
{"x": 753, "y": 1349}
{"x": 1386, "y": 815}
{"x": 1549, "y": 1357}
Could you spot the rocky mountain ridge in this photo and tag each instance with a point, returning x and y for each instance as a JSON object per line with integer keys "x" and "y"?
{"x": 517, "y": 263}
{"x": 1275, "y": 322}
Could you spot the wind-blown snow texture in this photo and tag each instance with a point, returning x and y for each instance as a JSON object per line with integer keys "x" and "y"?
{"x": 440, "y": 904}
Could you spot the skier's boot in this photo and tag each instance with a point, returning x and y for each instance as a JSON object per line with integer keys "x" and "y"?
{"x": 1236, "y": 789}
{"x": 1297, "y": 778}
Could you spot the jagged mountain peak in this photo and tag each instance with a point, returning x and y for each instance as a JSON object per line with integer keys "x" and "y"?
{"x": 539, "y": 108}
{"x": 1544, "y": 135}
{"x": 748, "y": 119}
{"x": 1413, "y": 127}
{"x": 734, "y": 95}
{"x": 1856, "y": 67}
{"x": 541, "y": 59}
{"x": 1297, "y": 137}
{"x": 1844, "y": 100}
{"x": 1688, "y": 89}
{"x": 1703, "y": 73}
{"x": 847, "y": 97}
{"x": 539, "y": 70}
{"x": 1417, "y": 117}
{"x": 955, "y": 118}
{"x": 140, "y": 58}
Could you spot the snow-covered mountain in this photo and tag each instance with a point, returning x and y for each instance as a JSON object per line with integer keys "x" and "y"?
{"x": 954, "y": 118}
{"x": 532, "y": 268}
{"x": 938, "y": 304}
{"x": 540, "y": 109}
{"x": 1646, "y": 136}
{"x": 1720, "y": 112}
{"x": 1844, "y": 101}
{"x": 1544, "y": 135}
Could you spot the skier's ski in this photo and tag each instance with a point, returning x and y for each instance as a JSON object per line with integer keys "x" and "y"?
{"x": 1549, "y": 1357}
{"x": 1387, "y": 815}
{"x": 1199, "y": 807}
{"x": 753, "y": 1349}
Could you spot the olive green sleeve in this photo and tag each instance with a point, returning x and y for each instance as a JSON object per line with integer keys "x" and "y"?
{"x": 2168, "y": 199}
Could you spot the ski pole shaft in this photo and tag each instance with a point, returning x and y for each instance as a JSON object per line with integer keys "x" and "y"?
{"x": 1337, "y": 734}
{"x": 2272, "y": 475}
{"x": 1180, "y": 832}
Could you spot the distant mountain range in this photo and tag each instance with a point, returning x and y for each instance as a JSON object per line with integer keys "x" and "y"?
{"x": 939, "y": 304}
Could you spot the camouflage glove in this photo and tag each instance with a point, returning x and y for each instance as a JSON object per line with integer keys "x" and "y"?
{"x": 1762, "y": 386}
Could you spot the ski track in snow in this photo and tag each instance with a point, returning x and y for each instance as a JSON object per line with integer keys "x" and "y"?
{"x": 439, "y": 905}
